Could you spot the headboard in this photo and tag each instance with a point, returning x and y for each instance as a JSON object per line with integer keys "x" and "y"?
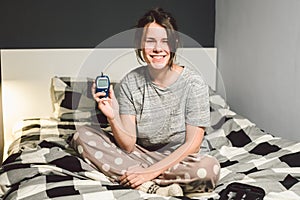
{"x": 26, "y": 75}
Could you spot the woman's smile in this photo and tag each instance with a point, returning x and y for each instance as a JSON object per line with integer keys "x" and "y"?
{"x": 156, "y": 46}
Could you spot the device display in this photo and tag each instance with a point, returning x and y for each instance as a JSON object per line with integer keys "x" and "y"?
{"x": 102, "y": 84}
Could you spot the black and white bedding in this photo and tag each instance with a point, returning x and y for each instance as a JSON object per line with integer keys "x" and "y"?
{"x": 41, "y": 165}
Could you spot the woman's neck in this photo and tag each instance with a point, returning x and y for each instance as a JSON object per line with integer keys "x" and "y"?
{"x": 166, "y": 76}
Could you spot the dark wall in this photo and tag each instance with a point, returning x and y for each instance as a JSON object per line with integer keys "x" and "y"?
{"x": 86, "y": 23}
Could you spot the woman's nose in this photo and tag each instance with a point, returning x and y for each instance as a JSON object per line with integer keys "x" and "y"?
{"x": 157, "y": 47}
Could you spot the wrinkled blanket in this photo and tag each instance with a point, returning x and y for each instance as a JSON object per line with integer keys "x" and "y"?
{"x": 41, "y": 165}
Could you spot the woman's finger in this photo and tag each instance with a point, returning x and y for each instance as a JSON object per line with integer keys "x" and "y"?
{"x": 137, "y": 181}
{"x": 97, "y": 96}
{"x": 93, "y": 88}
{"x": 126, "y": 179}
{"x": 111, "y": 92}
{"x": 123, "y": 179}
{"x": 131, "y": 180}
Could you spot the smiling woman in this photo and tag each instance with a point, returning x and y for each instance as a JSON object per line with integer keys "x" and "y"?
{"x": 160, "y": 115}
{"x": 156, "y": 50}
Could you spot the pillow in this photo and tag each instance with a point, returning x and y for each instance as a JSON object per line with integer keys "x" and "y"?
{"x": 216, "y": 101}
{"x": 72, "y": 100}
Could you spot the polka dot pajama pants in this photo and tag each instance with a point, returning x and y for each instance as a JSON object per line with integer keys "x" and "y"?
{"x": 196, "y": 173}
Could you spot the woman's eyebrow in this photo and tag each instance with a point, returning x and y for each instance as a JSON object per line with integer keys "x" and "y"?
{"x": 150, "y": 38}
{"x": 153, "y": 38}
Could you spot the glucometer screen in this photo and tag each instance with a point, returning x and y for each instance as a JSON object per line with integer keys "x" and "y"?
{"x": 102, "y": 83}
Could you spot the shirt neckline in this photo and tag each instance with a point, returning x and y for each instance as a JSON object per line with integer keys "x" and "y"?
{"x": 168, "y": 87}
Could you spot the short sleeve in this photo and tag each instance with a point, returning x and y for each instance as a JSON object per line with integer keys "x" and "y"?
{"x": 197, "y": 108}
{"x": 125, "y": 100}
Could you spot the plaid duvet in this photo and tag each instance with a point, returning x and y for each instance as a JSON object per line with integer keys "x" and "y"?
{"x": 249, "y": 155}
{"x": 41, "y": 165}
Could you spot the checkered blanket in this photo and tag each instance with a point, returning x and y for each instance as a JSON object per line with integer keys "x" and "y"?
{"x": 41, "y": 165}
{"x": 249, "y": 155}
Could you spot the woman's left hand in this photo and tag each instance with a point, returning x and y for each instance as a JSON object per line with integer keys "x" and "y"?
{"x": 137, "y": 176}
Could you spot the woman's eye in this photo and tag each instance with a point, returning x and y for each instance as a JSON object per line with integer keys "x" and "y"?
{"x": 150, "y": 41}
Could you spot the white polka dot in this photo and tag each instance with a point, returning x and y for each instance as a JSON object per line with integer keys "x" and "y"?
{"x": 88, "y": 133}
{"x": 178, "y": 178}
{"x": 76, "y": 135}
{"x": 106, "y": 144}
{"x": 98, "y": 155}
{"x": 187, "y": 176}
{"x": 106, "y": 167}
{"x": 118, "y": 161}
{"x": 216, "y": 169}
{"x": 92, "y": 143}
{"x": 80, "y": 149}
{"x": 201, "y": 173}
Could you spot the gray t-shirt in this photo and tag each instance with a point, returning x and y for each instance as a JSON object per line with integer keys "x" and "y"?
{"x": 162, "y": 113}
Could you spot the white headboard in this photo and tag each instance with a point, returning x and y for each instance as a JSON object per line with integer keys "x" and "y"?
{"x": 26, "y": 75}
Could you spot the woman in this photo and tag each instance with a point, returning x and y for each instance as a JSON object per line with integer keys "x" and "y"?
{"x": 158, "y": 121}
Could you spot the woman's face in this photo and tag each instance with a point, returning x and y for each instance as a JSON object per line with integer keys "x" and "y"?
{"x": 156, "y": 50}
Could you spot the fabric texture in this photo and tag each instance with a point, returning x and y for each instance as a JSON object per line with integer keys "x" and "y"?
{"x": 196, "y": 173}
{"x": 41, "y": 164}
{"x": 162, "y": 113}
{"x": 72, "y": 100}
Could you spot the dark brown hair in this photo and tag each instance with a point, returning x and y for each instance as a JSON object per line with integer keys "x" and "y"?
{"x": 164, "y": 19}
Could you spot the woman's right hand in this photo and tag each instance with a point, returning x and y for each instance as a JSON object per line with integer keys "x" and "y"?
{"x": 108, "y": 105}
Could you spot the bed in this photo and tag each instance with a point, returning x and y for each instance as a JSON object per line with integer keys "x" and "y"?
{"x": 41, "y": 165}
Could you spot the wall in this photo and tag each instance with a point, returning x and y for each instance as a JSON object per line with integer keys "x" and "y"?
{"x": 258, "y": 45}
{"x": 85, "y": 24}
